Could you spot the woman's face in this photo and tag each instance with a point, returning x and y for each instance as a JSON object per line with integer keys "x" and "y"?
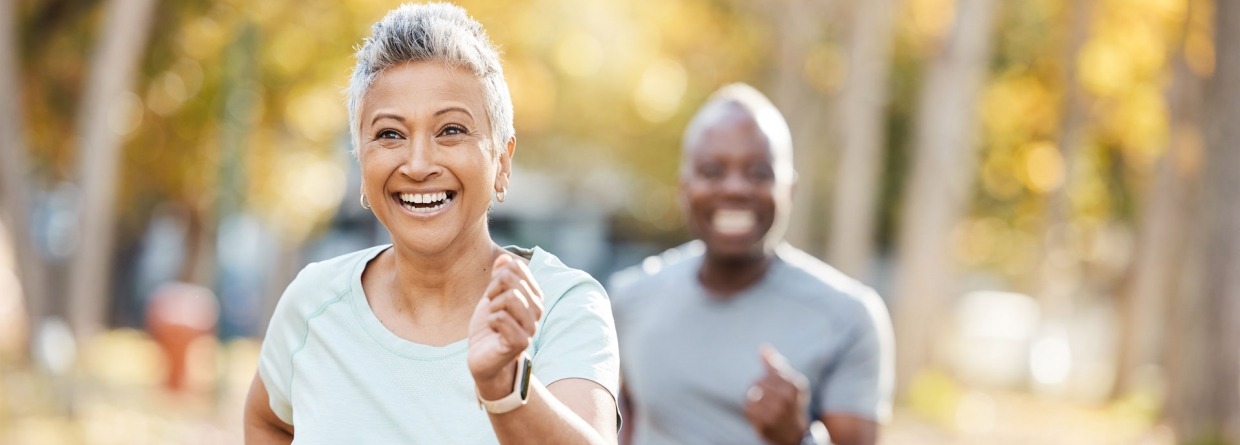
{"x": 429, "y": 167}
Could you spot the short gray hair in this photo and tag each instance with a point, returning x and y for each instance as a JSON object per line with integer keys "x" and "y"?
{"x": 432, "y": 32}
{"x": 756, "y": 104}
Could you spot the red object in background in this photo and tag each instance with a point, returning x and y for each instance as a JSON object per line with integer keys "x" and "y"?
{"x": 176, "y": 315}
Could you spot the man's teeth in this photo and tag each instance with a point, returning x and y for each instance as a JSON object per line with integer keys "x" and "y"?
{"x": 424, "y": 202}
{"x": 734, "y": 222}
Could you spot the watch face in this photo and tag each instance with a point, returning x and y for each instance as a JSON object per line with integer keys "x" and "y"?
{"x": 525, "y": 379}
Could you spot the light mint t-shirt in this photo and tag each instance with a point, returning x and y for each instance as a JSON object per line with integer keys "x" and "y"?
{"x": 690, "y": 358}
{"x": 335, "y": 373}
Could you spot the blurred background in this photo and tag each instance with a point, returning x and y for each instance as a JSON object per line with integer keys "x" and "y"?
{"x": 1044, "y": 192}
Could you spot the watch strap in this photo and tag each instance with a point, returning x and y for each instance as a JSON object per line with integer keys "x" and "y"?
{"x": 520, "y": 390}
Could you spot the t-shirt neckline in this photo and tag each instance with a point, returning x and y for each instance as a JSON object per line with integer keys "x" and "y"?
{"x": 370, "y": 323}
{"x": 742, "y": 296}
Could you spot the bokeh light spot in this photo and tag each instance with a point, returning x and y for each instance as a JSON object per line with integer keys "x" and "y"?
{"x": 1044, "y": 167}
{"x": 660, "y": 90}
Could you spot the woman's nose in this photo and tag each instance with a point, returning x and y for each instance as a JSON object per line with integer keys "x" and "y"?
{"x": 421, "y": 165}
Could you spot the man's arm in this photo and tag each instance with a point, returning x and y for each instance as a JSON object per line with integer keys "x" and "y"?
{"x": 848, "y": 429}
{"x": 858, "y": 393}
{"x": 262, "y": 427}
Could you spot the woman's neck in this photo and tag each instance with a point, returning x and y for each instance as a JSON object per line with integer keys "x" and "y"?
{"x": 725, "y": 277}
{"x": 445, "y": 279}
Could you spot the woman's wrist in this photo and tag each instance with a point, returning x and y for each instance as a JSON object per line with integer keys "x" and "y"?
{"x": 498, "y": 385}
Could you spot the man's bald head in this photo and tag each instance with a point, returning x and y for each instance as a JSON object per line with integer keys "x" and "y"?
{"x": 741, "y": 104}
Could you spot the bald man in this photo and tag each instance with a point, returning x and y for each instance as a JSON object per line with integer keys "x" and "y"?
{"x": 737, "y": 337}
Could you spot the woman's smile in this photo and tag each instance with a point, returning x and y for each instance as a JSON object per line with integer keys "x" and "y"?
{"x": 425, "y": 204}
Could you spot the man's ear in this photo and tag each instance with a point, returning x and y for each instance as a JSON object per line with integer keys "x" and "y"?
{"x": 682, "y": 193}
{"x": 796, "y": 179}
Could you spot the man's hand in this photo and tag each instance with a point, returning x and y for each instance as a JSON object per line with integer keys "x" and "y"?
{"x": 777, "y": 404}
{"x": 503, "y": 324}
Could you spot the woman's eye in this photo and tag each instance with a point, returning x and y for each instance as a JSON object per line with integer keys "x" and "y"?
{"x": 452, "y": 130}
{"x": 388, "y": 134}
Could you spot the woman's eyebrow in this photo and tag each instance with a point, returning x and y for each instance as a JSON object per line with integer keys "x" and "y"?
{"x": 392, "y": 116}
{"x": 451, "y": 109}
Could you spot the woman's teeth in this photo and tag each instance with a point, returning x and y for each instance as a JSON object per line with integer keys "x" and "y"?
{"x": 424, "y": 202}
{"x": 734, "y": 222}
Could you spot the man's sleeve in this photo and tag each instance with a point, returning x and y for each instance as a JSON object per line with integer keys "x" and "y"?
{"x": 863, "y": 378}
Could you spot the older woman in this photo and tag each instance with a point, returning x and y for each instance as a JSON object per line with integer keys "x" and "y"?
{"x": 442, "y": 336}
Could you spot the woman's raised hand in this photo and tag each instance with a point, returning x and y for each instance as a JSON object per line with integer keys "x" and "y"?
{"x": 503, "y": 324}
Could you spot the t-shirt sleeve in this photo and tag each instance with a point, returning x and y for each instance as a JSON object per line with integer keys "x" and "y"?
{"x": 862, "y": 380}
{"x": 285, "y": 334}
{"x": 578, "y": 339}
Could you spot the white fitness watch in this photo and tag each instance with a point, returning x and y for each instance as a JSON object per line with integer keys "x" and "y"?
{"x": 520, "y": 390}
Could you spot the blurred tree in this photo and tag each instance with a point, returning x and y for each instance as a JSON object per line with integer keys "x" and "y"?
{"x": 1204, "y": 405}
{"x": 15, "y": 167}
{"x": 1057, "y": 282}
{"x": 102, "y": 120}
{"x": 803, "y": 91}
{"x": 941, "y": 184}
{"x": 862, "y": 115}
{"x": 1145, "y": 295}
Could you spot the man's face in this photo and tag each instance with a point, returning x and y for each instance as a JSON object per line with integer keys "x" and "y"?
{"x": 736, "y": 203}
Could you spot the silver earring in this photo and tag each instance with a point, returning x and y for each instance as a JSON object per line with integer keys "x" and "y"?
{"x": 365, "y": 203}
{"x": 499, "y": 196}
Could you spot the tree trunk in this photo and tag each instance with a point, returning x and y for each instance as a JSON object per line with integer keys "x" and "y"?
{"x": 1204, "y": 399}
{"x": 941, "y": 184}
{"x": 1057, "y": 280}
{"x": 1161, "y": 236}
{"x": 801, "y": 24}
{"x": 862, "y": 107}
{"x": 113, "y": 70}
{"x": 14, "y": 168}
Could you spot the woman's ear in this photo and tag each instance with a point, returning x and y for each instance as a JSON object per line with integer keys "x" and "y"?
{"x": 504, "y": 173}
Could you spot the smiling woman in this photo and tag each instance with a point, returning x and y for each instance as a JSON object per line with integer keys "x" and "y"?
{"x": 404, "y": 343}
{"x": 429, "y": 165}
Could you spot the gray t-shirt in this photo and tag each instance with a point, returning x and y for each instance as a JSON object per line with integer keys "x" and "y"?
{"x": 687, "y": 358}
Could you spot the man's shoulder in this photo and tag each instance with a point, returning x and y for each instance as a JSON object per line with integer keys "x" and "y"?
{"x": 654, "y": 271}
{"x": 824, "y": 286}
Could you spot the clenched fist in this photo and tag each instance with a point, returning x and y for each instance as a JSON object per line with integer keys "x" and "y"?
{"x": 777, "y": 404}
{"x": 503, "y": 324}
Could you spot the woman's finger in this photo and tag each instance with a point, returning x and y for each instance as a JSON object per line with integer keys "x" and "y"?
{"x": 510, "y": 332}
{"x": 509, "y": 286}
{"x": 516, "y": 305}
{"x": 526, "y": 282}
{"x": 502, "y": 279}
{"x": 500, "y": 261}
{"x": 514, "y": 275}
{"x": 526, "y": 274}
{"x": 533, "y": 296}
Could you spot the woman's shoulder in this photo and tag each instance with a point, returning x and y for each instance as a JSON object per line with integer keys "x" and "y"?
{"x": 321, "y": 282}
{"x": 556, "y": 278}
